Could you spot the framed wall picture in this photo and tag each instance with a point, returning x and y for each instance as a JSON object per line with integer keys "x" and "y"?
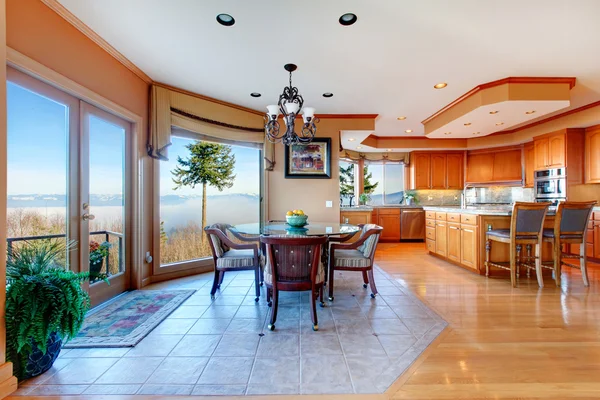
{"x": 311, "y": 160}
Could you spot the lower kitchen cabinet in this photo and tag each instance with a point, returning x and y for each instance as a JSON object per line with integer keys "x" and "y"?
{"x": 441, "y": 241}
{"x": 389, "y": 220}
{"x": 453, "y": 242}
{"x": 355, "y": 217}
{"x": 468, "y": 246}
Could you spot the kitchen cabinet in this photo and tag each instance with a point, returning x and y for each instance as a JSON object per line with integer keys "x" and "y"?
{"x": 440, "y": 238}
{"x": 468, "y": 246}
{"x": 596, "y": 243}
{"x": 561, "y": 149}
{"x": 421, "y": 171}
{"x": 454, "y": 171}
{"x": 389, "y": 220}
{"x": 592, "y": 154}
{"x": 495, "y": 165}
{"x": 453, "y": 242}
{"x": 529, "y": 156}
{"x": 355, "y": 217}
{"x": 438, "y": 171}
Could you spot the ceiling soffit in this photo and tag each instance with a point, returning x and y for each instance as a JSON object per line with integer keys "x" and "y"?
{"x": 495, "y": 106}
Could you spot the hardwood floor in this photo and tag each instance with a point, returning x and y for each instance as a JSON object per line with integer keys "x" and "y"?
{"x": 502, "y": 343}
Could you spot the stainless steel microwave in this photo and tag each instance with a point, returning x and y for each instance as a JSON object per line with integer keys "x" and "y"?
{"x": 550, "y": 184}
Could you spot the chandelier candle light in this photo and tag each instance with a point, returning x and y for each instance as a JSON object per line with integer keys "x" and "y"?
{"x": 290, "y": 105}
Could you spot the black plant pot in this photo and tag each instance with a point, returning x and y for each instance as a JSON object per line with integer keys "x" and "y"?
{"x": 38, "y": 362}
{"x": 95, "y": 267}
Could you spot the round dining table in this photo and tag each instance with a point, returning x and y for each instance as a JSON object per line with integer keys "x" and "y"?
{"x": 282, "y": 228}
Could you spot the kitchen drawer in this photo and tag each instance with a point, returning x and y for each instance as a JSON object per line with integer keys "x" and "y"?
{"x": 589, "y": 236}
{"x": 430, "y": 222}
{"x": 430, "y": 233}
{"x": 389, "y": 211}
{"x": 468, "y": 219}
{"x": 590, "y": 224}
{"x": 430, "y": 214}
{"x": 440, "y": 216}
{"x": 452, "y": 217}
{"x": 430, "y": 245}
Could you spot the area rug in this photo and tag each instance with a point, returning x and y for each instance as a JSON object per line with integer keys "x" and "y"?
{"x": 128, "y": 319}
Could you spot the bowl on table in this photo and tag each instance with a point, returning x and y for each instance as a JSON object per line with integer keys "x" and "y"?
{"x": 297, "y": 221}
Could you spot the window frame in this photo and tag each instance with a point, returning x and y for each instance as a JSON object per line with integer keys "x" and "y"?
{"x": 382, "y": 163}
{"x": 205, "y": 264}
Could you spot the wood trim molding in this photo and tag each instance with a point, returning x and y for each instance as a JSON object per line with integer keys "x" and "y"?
{"x": 347, "y": 116}
{"x": 521, "y": 80}
{"x": 495, "y": 149}
{"x": 61, "y": 10}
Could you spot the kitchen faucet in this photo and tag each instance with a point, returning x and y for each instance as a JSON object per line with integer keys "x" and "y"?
{"x": 463, "y": 195}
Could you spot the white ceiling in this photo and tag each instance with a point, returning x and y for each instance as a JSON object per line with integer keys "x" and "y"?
{"x": 387, "y": 63}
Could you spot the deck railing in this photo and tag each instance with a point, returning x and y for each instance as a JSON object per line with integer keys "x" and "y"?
{"x": 107, "y": 236}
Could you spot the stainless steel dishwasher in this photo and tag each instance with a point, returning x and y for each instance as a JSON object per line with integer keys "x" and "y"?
{"x": 412, "y": 224}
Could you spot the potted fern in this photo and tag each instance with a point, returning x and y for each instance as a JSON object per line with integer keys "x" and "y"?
{"x": 45, "y": 304}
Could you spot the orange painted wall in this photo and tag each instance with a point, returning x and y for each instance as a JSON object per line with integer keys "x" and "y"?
{"x": 36, "y": 31}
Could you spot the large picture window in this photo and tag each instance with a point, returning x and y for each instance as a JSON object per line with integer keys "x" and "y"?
{"x": 383, "y": 183}
{"x": 232, "y": 175}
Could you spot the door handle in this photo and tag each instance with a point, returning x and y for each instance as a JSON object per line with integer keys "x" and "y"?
{"x": 88, "y": 217}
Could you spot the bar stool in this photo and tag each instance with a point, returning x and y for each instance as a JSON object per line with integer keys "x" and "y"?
{"x": 526, "y": 227}
{"x": 570, "y": 226}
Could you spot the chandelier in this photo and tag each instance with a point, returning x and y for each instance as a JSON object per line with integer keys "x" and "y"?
{"x": 290, "y": 105}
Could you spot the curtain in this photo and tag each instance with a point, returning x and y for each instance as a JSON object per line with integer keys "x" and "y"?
{"x": 402, "y": 157}
{"x": 205, "y": 118}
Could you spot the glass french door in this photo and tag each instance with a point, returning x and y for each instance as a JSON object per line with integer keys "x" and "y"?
{"x": 68, "y": 177}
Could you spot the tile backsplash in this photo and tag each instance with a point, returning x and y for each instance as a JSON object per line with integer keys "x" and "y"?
{"x": 438, "y": 197}
{"x": 498, "y": 195}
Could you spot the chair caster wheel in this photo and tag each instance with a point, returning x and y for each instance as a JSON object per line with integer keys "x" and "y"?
{"x": 365, "y": 285}
{"x": 315, "y": 327}
{"x": 256, "y": 299}
{"x": 270, "y": 304}
{"x": 322, "y": 305}
{"x": 372, "y": 295}
{"x": 330, "y": 298}
{"x": 271, "y": 327}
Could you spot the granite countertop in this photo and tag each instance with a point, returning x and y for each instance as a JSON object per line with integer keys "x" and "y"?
{"x": 371, "y": 208}
{"x": 479, "y": 210}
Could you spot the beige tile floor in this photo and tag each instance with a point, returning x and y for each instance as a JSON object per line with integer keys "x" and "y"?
{"x": 223, "y": 347}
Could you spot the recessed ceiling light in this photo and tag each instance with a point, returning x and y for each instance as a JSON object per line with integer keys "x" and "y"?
{"x": 359, "y": 147}
{"x": 499, "y": 123}
{"x": 401, "y": 118}
{"x": 389, "y": 149}
{"x": 225, "y": 19}
{"x": 408, "y": 131}
{"x": 255, "y": 94}
{"x": 476, "y": 133}
{"x": 447, "y": 133}
{"x": 440, "y": 85}
{"x": 348, "y": 19}
{"x": 467, "y": 124}
{"x": 351, "y": 139}
{"x": 529, "y": 112}
{"x": 493, "y": 112}
{"x": 327, "y": 94}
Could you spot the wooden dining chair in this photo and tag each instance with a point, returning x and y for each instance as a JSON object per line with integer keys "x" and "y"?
{"x": 526, "y": 227}
{"x": 293, "y": 263}
{"x": 570, "y": 225}
{"x": 231, "y": 256}
{"x": 357, "y": 256}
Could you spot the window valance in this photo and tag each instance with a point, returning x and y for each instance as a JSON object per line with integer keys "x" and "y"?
{"x": 402, "y": 157}
{"x": 204, "y": 117}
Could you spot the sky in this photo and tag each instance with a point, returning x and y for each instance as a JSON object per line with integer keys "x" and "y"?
{"x": 38, "y": 144}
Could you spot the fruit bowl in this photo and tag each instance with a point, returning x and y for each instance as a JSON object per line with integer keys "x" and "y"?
{"x": 296, "y": 221}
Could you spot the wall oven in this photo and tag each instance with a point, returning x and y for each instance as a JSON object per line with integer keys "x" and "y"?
{"x": 550, "y": 185}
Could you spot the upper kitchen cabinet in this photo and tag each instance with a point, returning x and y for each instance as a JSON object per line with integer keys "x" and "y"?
{"x": 592, "y": 154}
{"x": 437, "y": 170}
{"x": 529, "y": 157}
{"x": 561, "y": 149}
{"x": 496, "y": 165}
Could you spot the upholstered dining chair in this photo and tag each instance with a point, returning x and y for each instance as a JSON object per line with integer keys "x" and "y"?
{"x": 357, "y": 256}
{"x": 526, "y": 227}
{"x": 570, "y": 225}
{"x": 293, "y": 263}
{"x": 231, "y": 256}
